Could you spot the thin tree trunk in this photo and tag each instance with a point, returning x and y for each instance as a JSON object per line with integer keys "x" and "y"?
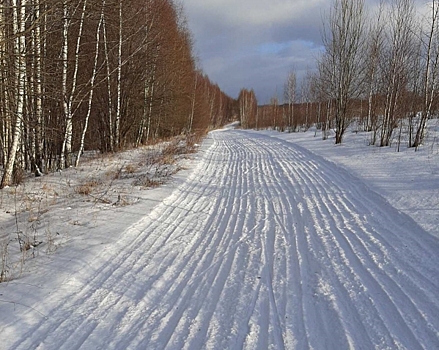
{"x": 191, "y": 121}
{"x": 119, "y": 81}
{"x": 64, "y": 56}
{"x": 92, "y": 85}
{"x": 38, "y": 95}
{"x": 4, "y": 82}
{"x": 110, "y": 99}
{"x": 67, "y": 144}
{"x": 20, "y": 65}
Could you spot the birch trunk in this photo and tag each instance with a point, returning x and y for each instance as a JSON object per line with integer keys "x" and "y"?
{"x": 92, "y": 85}
{"x": 64, "y": 56}
{"x": 19, "y": 19}
{"x": 119, "y": 75}
{"x": 110, "y": 99}
{"x": 430, "y": 76}
{"x": 191, "y": 121}
{"x": 66, "y": 153}
{"x": 38, "y": 93}
{"x": 151, "y": 102}
{"x": 4, "y": 82}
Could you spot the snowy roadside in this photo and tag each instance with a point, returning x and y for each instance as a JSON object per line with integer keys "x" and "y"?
{"x": 68, "y": 220}
{"x": 408, "y": 180}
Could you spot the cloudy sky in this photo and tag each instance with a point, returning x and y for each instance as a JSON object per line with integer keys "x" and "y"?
{"x": 255, "y": 43}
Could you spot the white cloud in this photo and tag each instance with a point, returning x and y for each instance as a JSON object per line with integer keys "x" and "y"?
{"x": 254, "y": 43}
{"x": 255, "y": 12}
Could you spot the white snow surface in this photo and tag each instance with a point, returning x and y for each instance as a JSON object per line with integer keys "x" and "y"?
{"x": 267, "y": 241}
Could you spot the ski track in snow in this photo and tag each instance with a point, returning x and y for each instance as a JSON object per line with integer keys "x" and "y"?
{"x": 265, "y": 246}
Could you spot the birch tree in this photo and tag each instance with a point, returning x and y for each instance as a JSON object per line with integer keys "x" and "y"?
{"x": 92, "y": 84}
{"x": 37, "y": 43}
{"x": 5, "y": 62}
{"x": 430, "y": 43}
{"x": 394, "y": 64}
{"x": 290, "y": 99}
{"x": 372, "y": 79}
{"x": 341, "y": 65}
{"x": 116, "y": 138}
{"x": 19, "y": 26}
{"x": 247, "y": 107}
{"x": 122, "y": 68}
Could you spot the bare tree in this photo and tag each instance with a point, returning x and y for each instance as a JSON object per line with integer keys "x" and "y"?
{"x": 274, "y": 104}
{"x": 19, "y": 26}
{"x": 341, "y": 67}
{"x": 372, "y": 77}
{"x": 119, "y": 78}
{"x": 247, "y": 107}
{"x": 123, "y": 68}
{"x": 398, "y": 53}
{"x": 92, "y": 84}
{"x": 430, "y": 42}
{"x": 290, "y": 99}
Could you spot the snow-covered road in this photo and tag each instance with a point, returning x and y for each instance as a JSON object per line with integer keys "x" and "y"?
{"x": 265, "y": 246}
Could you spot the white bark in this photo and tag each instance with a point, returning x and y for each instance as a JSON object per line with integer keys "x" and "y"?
{"x": 38, "y": 92}
{"x": 395, "y": 65}
{"x": 191, "y": 120}
{"x": 92, "y": 84}
{"x": 341, "y": 65}
{"x": 6, "y": 123}
{"x": 290, "y": 97}
{"x": 70, "y": 95}
{"x": 119, "y": 76}
{"x": 430, "y": 74}
{"x": 19, "y": 23}
{"x": 108, "y": 78}
{"x": 64, "y": 56}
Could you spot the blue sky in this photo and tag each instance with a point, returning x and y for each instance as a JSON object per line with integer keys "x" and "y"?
{"x": 255, "y": 43}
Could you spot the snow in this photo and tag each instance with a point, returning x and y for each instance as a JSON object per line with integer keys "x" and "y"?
{"x": 264, "y": 241}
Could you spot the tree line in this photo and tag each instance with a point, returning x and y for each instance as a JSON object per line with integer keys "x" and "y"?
{"x": 379, "y": 68}
{"x": 101, "y": 75}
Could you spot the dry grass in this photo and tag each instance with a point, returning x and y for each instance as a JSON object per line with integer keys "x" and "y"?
{"x": 18, "y": 176}
{"x": 87, "y": 187}
{"x": 130, "y": 168}
{"x": 173, "y": 148}
{"x": 167, "y": 159}
{"x": 147, "y": 182}
{"x": 4, "y": 269}
{"x": 112, "y": 174}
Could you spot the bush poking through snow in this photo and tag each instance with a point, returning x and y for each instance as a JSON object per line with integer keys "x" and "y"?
{"x": 4, "y": 269}
{"x": 130, "y": 168}
{"x": 17, "y": 176}
{"x": 87, "y": 187}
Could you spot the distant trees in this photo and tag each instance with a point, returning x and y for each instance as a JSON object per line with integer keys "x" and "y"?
{"x": 104, "y": 75}
{"x": 247, "y": 108}
{"x": 290, "y": 98}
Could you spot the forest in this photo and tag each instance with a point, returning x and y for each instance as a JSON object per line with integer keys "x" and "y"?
{"x": 99, "y": 75}
{"x": 378, "y": 68}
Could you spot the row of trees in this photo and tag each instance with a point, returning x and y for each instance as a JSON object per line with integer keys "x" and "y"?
{"x": 389, "y": 60}
{"x": 381, "y": 69}
{"x": 105, "y": 75}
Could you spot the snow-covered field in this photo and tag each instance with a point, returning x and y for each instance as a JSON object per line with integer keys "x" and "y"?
{"x": 267, "y": 241}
